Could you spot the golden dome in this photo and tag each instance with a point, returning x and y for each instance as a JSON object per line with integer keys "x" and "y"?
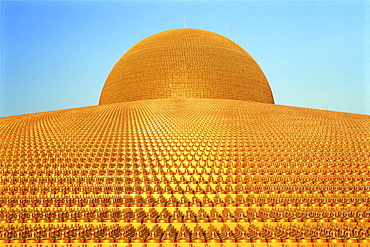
{"x": 186, "y": 63}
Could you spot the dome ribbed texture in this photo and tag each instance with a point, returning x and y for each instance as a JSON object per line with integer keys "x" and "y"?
{"x": 186, "y": 63}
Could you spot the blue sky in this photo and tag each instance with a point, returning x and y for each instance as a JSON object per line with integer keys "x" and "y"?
{"x": 57, "y": 54}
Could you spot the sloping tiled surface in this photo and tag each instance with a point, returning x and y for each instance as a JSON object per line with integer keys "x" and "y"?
{"x": 185, "y": 171}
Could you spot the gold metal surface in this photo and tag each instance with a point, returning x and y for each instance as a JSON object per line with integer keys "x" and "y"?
{"x": 186, "y": 63}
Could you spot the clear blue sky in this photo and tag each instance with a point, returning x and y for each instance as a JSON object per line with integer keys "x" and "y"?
{"x": 57, "y": 54}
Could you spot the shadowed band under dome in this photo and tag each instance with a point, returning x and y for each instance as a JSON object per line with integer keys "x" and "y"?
{"x": 186, "y": 63}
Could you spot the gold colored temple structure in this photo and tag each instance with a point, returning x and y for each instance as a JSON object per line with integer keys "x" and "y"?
{"x": 210, "y": 162}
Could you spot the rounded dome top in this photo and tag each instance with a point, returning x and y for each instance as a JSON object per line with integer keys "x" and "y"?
{"x": 186, "y": 63}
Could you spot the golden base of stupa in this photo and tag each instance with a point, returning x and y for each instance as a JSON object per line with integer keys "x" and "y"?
{"x": 184, "y": 171}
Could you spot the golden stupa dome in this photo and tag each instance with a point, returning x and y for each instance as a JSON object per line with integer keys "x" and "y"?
{"x": 186, "y": 63}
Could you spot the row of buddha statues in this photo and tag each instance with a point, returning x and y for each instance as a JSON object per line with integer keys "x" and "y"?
{"x": 221, "y": 167}
{"x": 167, "y": 189}
{"x": 182, "y": 233}
{"x": 267, "y": 243}
{"x": 113, "y": 176}
{"x": 180, "y": 155}
{"x": 183, "y": 200}
{"x": 189, "y": 215}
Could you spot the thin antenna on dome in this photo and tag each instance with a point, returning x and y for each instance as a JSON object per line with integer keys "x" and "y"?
{"x": 138, "y": 34}
{"x": 184, "y": 21}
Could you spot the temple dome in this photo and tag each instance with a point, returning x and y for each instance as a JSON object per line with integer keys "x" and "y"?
{"x": 186, "y": 63}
